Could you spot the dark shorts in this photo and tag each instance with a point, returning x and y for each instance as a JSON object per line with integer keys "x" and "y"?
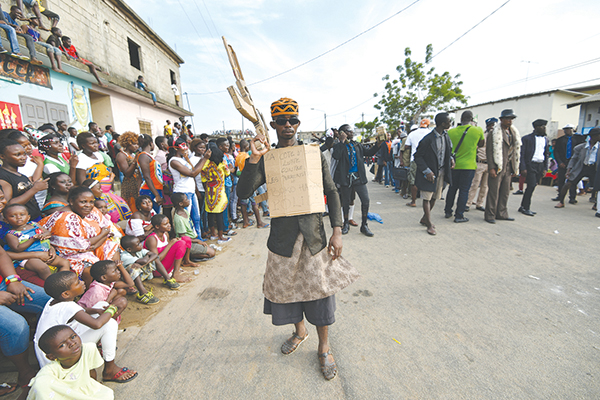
{"x": 318, "y": 312}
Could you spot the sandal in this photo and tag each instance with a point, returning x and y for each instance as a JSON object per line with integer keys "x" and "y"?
{"x": 288, "y": 347}
{"x": 9, "y": 387}
{"x": 121, "y": 373}
{"x": 328, "y": 369}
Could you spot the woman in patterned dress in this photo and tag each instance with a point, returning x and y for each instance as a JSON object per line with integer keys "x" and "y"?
{"x": 127, "y": 162}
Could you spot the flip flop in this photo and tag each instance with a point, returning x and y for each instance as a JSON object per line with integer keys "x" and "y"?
{"x": 288, "y": 347}
{"x": 264, "y": 226}
{"x": 10, "y": 386}
{"x": 121, "y": 373}
{"x": 411, "y": 204}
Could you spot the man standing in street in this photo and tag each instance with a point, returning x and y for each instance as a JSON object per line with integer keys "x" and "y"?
{"x": 433, "y": 160}
{"x": 582, "y": 164}
{"x": 534, "y": 162}
{"x": 350, "y": 175}
{"x": 465, "y": 138}
{"x": 503, "y": 152}
{"x": 480, "y": 180}
{"x": 303, "y": 273}
{"x": 411, "y": 144}
{"x": 562, "y": 154}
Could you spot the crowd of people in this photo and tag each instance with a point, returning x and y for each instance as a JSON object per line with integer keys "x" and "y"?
{"x": 478, "y": 166}
{"x": 87, "y": 217}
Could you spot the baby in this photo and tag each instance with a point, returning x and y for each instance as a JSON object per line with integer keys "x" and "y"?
{"x": 117, "y": 232}
{"x": 27, "y": 236}
{"x": 72, "y": 372}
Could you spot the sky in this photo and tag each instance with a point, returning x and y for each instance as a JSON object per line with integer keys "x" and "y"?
{"x": 515, "y": 51}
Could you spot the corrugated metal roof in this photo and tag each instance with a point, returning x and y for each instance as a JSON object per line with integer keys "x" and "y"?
{"x": 591, "y": 99}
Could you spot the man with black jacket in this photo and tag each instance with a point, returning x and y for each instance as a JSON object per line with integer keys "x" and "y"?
{"x": 434, "y": 166}
{"x": 350, "y": 174}
{"x": 534, "y": 162}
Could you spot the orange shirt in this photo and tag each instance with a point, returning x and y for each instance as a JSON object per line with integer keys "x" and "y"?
{"x": 240, "y": 160}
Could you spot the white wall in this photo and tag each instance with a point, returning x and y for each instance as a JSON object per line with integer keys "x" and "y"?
{"x": 548, "y": 106}
{"x": 127, "y": 112}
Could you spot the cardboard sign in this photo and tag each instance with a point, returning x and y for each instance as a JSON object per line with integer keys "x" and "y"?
{"x": 294, "y": 181}
{"x": 381, "y": 133}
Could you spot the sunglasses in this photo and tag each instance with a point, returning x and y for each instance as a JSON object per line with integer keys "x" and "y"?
{"x": 281, "y": 121}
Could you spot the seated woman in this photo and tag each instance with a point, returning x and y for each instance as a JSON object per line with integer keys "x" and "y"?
{"x": 80, "y": 233}
{"x": 17, "y": 187}
{"x": 94, "y": 165}
{"x": 59, "y": 185}
{"x": 17, "y": 297}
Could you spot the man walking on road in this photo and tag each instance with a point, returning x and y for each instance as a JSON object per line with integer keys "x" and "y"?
{"x": 411, "y": 144}
{"x": 582, "y": 164}
{"x": 563, "y": 151}
{"x": 303, "y": 273}
{"x": 534, "y": 162}
{"x": 465, "y": 138}
{"x": 350, "y": 175}
{"x": 503, "y": 152}
{"x": 434, "y": 163}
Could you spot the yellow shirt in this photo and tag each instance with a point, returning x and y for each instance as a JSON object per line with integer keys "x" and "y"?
{"x": 214, "y": 177}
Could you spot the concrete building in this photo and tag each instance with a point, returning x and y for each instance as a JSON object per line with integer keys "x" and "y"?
{"x": 550, "y": 105}
{"x": 112, "y": 36}
{"x": 589, "y": 112}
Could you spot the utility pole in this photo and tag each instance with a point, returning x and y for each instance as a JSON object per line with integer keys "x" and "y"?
{"x": 190, "y": 110}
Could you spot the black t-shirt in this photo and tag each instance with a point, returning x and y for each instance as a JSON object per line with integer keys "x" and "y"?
{"x": 20, "y": 184}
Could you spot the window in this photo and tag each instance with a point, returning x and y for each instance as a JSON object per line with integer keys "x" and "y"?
{"x": 145, "y": 128}
{"x": 173, "y": 80}
{"x": 589, "y": 117}
{"x": 134, "y": 54}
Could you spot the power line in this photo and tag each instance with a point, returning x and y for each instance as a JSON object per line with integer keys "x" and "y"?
{"x": 322, "y": 54}
{"x": 338, "y": 46}
{"x": 475, "y": 26}
{"x": 201, "y": 39}
{"x": 545, "y": 74}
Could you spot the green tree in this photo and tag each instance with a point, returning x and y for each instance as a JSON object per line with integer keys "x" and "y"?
{"x": 369, "y": 127}
{"x": 417, "y": 91}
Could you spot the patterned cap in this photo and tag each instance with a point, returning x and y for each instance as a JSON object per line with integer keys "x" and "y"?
{"x": 284, "y": 106}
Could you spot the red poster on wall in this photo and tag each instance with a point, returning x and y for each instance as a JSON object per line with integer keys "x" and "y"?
{"x": 10, "y": 116}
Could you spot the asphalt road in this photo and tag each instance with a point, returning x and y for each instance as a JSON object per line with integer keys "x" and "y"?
{"x": 480, "y": 311}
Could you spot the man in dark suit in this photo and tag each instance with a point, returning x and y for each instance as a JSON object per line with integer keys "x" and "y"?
{"x": 434, "y": 165}
{"x": 534, "y": 162}
{"x": 350, "y": 174}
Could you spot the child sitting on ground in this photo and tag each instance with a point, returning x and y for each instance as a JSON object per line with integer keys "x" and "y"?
{"x": 183, "y": 227}
{"x": 91, "y": 324}
{"x": 142, "y": 265}
{"x": 72, "y": 372}
{"x": 174, "y": 253}
{"x": 110, "y": 280}
{"x": 139, "y": 224}
{"x": 27, "y": 236}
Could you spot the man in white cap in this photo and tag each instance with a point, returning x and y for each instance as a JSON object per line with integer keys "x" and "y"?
{"x": 563, "y": 150}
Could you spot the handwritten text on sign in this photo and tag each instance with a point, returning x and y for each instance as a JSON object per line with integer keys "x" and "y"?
{"x": 294, "y": 181}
